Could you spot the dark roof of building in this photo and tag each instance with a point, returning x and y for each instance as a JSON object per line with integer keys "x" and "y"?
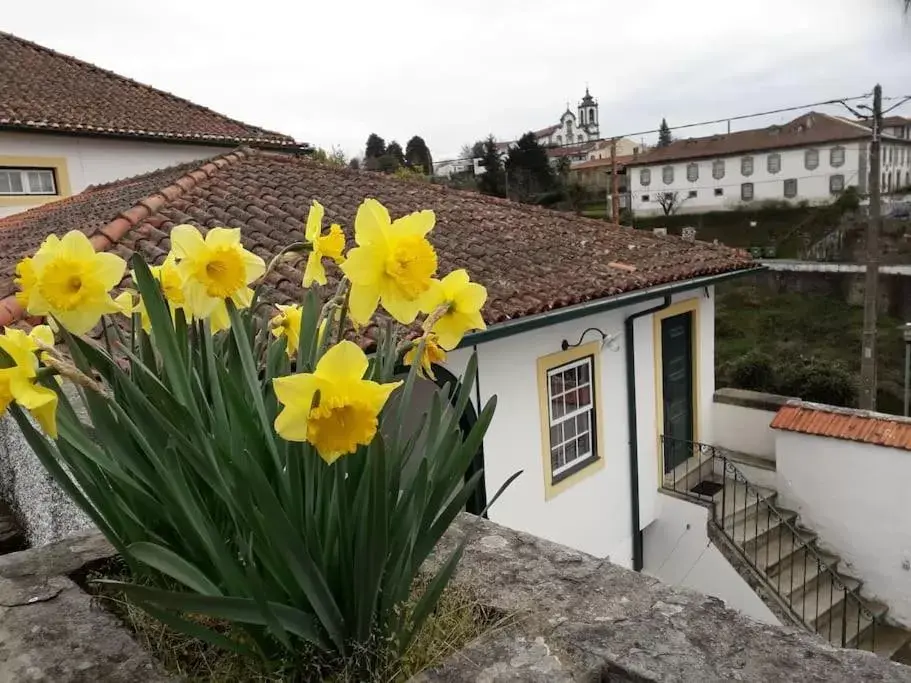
{"x": 812, "y": 128}
{"x": 43, "y": 90}
{"x": 531, "y": 259}
{"x": 848, "y": 424}
{"x": 569, "y": 150}
{"x": 545, "y": 132}
{"x": 890, "y": 121}
{"x": 602, "y": 163}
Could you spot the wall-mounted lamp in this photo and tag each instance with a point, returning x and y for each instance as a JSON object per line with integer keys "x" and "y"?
{"x": 609, "y": 340}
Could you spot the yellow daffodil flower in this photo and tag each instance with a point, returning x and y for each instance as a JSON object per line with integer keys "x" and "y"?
{"x": 462, "y": 300}
{"x": 168, "y": 276}
{"x": 24, "y": 280}
{"x": 17, "y": 383}
{"x": 330, "y": 245}
{"x": 287, "y": 324}
{"x": 432, "y": 354}
{"x": 392, "y": 265}
{"x": 213, "y": 270}
{"x": 346, "y": 412}
{"x": 71, "y": 281}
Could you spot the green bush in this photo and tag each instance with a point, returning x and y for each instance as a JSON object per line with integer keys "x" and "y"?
{"x": 816, "y": 380}
{"x": 754, "y": 371}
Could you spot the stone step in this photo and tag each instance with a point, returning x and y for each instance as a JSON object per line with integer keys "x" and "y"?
{"x": 737, "y": 499}
{"x": 887, "y": 641}
{"x": 856, "y": 623}
{"x": 751, "y": 530}
{"x": 800, "y": 569}
{"x": 813, "y": 603}
{"x": 778, "y": 547}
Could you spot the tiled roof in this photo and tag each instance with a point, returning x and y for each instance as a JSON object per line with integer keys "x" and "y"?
{"x": 43, "y": 90}
{"x": 844, "y": 423}
{"x": 545, "y": 132}
{"x": 809, "y": 129}
{"x": 568, "y": 150}
{"x": 599, "y": 163}
{"x": 891, "y": 121}
{"x": 530, "y": 259}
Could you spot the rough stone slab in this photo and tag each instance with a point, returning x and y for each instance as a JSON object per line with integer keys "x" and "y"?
{"x": 50, "y": 632}
{"x": 57, "y": 559}
{"x": 580, "y": 618}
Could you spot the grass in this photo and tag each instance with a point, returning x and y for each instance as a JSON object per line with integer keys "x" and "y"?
{"x": 459, "y": 619}
{"x": 783, "y": 325}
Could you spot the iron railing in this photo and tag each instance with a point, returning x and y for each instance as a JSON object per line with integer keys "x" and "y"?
{"x": 765, "y": 536}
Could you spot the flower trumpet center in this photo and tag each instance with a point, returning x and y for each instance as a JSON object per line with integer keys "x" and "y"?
{"x": 410, "y": 265}
{"x": 222, "y": 272}
{"x": 63, "y": 284}
{"x": 336, "y": 427}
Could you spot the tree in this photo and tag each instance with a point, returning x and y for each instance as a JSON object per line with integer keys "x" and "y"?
{"x": 375, "y": 148}
{"x": 493, "y": 179}
{"x": 669, "y": 202}
{"x": 529, "y": 171}
{"x": 664, "y": 134}
{"x": 355, "y": 163}
{"x": 336, "y": 157}
{"x": 417, "y": 155}
{"x": 394, "y": 150}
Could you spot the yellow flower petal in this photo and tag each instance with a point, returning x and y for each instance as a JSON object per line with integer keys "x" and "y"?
{"x": 365, "y": 265}
{"x": 416, "y": 224}
{"x": 362, "y": 303}
{"x": 343, "y": 362}
{"x": 186, "y": 241}
{"x": 223, "y": 237}
{"x": 42, "y": 333}
{"x": 109, "y": 268}
{"x": 371, "y": 223}
{"x": 332, "y": 244}
{"x": 295, "y": 393}
{"x": 39, "y": 400}
{"x": 314, "y": 221}
{"x": 314, "y": 272}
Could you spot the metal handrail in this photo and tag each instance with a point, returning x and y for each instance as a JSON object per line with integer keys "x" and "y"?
{"x": 705, "y": 453}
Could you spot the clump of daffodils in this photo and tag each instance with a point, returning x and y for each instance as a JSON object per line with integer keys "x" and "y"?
{"x": 335, "y": 408}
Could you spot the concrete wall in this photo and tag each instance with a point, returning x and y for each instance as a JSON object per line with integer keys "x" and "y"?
{"x": 88, "y": 161}
{"x": 742, "y": 421}
{"x": 594, "y": 514}
{"x": 812, "y": 185}
{"x": 678, "y": 552}
{"x": 855, "y": 496}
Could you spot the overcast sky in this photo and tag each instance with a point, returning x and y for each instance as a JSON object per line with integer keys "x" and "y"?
{"x": 331, "y": 72}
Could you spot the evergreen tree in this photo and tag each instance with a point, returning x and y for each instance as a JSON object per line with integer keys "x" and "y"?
{"x": 375, "y": 148}
{"x": 530, "y": 174}
{"x": 493, "y": 180}
{"x": 394, "y": 150}
{"x": 664, "y": 134}
{"x": 417, "y": 155}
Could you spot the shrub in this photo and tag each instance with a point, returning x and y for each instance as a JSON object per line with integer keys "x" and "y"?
{"x": 754, "y": 371}
{"x": 236, "y": 461}
{"x": 816, "y": 380}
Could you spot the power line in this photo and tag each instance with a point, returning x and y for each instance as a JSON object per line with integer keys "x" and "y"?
{"x": 740, "y": 117}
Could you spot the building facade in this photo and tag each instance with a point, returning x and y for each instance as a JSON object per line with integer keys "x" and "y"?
{"x": 810, "y": 159}
{"x": 574, "y": 128}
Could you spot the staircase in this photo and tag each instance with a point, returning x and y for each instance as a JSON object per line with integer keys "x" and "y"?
{"x": 803, "y": 580}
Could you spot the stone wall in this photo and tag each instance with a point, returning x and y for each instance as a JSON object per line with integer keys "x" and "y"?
{"x": 573, "y": 618}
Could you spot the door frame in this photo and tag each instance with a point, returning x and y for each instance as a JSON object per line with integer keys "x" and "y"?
{"x": 691, "y": 306}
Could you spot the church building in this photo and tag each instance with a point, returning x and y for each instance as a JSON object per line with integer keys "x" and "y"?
{"x": 574, "y": 128}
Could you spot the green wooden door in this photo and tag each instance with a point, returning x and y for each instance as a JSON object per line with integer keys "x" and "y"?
{"x": 677, "y": 387}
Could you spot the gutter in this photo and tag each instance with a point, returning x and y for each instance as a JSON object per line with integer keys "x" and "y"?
{"x": 633, "y": 426}
{"x": 538, "y": 320}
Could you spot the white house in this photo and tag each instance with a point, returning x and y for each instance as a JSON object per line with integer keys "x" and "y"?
{"x": 66, "y": 124}
{"x": 812, "y": 158}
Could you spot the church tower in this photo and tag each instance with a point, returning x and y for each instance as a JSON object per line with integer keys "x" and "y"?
{"x": 588, "y": 116}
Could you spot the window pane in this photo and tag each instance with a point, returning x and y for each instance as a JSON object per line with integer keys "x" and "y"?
{"x": 718, "y": 169}
{"x": 790, "y": 188}
{"x": 585, "y": 445}
{"x": 556, "y": 408}
{"x": 836, "y": 183}
{"x": 746, "y": 166}
{"x": 570, "y": 451}
{"x": 584, "y": 372}
{"x": 572, "y": 400}
{"x": 746, "y": 191}
{"x": 556, "y": 434}
{"x": 581, "y": 423}
{"x": 692, "y": 172}
{"x": 645, "y": 176}
{"x": 774, "y": 163}
{"x": 585, "y": 395}
{"x": 667, "y": 175}
{"x": 569, "y": 429}
{"x": 556, "y": 384}
{"x": 557, "y": 457}
{"x": 4, "y": 183}
{"x": 811, "y": 159}
{"x": 837, "y": 156}
{"x": 41, "y": 182}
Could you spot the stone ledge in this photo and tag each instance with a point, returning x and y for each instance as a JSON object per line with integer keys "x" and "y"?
{"x": 580, "y": 618}
{"x": 750, "y": 399}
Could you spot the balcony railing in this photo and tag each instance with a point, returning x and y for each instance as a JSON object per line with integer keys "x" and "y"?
{"x": 768, "y": 538}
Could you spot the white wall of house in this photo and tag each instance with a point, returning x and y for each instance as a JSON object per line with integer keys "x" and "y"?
{"x": 745, "y": 430}
{"x": 91, "y": 160}
{"x": 813, "y": 185}
{"x": 677, "y": 550}
{"x": 855, "y": 495}
{"x": 594, "y": 514}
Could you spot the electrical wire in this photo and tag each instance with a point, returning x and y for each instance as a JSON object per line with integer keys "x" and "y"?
{"x": 739, "y": 117}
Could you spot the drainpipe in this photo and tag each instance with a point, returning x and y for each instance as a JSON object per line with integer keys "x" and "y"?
{"x": 633, "y": 427}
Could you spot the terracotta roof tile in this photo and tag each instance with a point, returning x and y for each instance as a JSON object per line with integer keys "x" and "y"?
{"x": 844, "y": 423}
{"x": 530, "y": 259}
{"x": 812, "y": 128}
{"x": 599, "y": 163}
{"x": 41, "y": 89}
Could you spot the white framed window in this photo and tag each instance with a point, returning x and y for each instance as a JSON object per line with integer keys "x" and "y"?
{"x": 837, "y": 156}
{"x": 746, "y": 192}
{"x": 692, "y": 172}
{"x": 645, "y": 177}
{"x": 773, "y": 163}
{"x": 811, "y": 159}
{"x": 746, "y": 166}
{"x": 27, "y": 181}
{"x": 667, "y": 175}
{"x": 718, "y": 169}
{"x": 790, "y": 188}
{"x": 836, "y": 183}
{"x": 572, "y": 416}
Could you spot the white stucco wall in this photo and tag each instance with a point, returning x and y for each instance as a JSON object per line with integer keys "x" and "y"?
{"x": 91, "y": 160}
{"x": 855, "y": 496}
{"x": 811, "y": 185}
{"x": 745, "y": 430}
{"x": 677, "y": 550}
{"x": 594, "y": 514}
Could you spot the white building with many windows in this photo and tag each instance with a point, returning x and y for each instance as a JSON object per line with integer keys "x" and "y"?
{"x": 812, "y": 158}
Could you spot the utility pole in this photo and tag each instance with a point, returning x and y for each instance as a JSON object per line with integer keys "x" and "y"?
{"x": 871, "y": 278}
{"x": 615, "y": 192}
